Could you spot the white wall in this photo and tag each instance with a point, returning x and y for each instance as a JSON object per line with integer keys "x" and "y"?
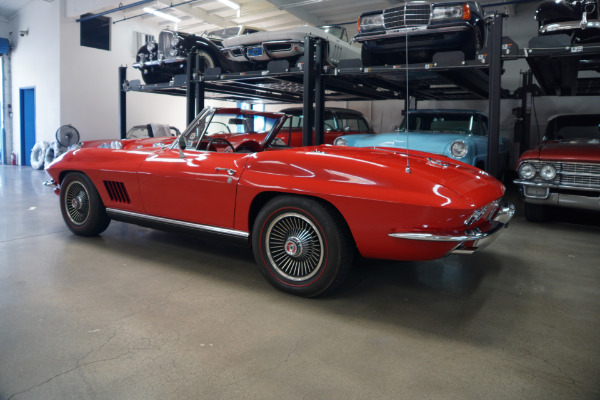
{"x": 35, "y": 64}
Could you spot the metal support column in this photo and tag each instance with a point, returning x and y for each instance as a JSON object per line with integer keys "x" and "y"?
{"x": 319, "y": 92}
{"x": 494, "y": 94}
{"x": 122, "y": 103}
{"x": 200, "y": 92}
{"x": 189, "y": 89}
{"x": 309, "y": 91}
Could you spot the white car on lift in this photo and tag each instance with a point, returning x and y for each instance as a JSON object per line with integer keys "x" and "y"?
{"x": 262, "y": 47}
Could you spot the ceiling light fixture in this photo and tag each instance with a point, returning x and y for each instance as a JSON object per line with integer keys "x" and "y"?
{"x": 230, "y": 3}
{"x": 162, "y": 15}
{"x": 299, "y": 4}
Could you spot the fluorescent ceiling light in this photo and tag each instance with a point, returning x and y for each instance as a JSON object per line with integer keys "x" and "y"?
{"x": 230, "y": 3}
{"x": 299, "y": 4}
{"x": 162, "y": 15}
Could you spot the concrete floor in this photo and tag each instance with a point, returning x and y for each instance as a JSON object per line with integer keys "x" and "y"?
{"x": 142, "y": 314}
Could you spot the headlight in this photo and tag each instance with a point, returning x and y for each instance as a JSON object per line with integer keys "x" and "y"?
{"x": 447, "y": 12}
{"x": 175, "y": 42}
{"x": 151, "y": 46}
{"x": 173, "y": 52}
{"x": 476, "y": 216}
{"x": 548, "y": 172}
{"x": 340, "y": 141}
{"x": 459, "y": 149}
{"x": 116, "y": 144}
{"x": 526, "y": 171}
{"x": 369, "y": 22}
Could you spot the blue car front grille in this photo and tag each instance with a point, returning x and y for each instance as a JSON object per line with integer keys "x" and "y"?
{"x": 408, "y": 14}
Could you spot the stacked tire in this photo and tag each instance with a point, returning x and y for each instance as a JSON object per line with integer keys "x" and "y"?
{"x": 43, "y": 153}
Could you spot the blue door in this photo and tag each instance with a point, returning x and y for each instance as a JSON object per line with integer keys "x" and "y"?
{"x": 27, "y": 124}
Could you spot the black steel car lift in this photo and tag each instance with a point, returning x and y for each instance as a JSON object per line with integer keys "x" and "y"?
{"x": 447, "y": 77}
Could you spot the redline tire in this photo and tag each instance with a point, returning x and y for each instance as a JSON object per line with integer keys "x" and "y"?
{"x": 81, "y": 206}
{"x": 302, "y": 246}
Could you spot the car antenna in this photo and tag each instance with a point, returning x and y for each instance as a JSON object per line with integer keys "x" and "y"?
{"x": 407, "y": 99}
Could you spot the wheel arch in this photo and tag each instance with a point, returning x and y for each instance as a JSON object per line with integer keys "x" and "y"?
{"x": 263, "y": 198}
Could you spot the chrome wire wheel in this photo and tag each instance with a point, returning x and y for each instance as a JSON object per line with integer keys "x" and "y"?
{"x": 77, "y": 203}
{"x": 294, "y": 246}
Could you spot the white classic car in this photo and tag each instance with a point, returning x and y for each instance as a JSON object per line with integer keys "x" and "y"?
{"x": 263, "y": 47}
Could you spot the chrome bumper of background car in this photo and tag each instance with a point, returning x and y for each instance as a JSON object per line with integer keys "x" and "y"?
{"x": 470, "y": 240}
{"x": 159, "y": 62}
{"x": 540, "y": 194}
{"x": 570, "y": 25}
{"x": 410, "y": 31}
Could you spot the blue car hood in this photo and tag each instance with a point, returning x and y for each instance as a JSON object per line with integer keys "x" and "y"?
{"x": 423, "y": 141}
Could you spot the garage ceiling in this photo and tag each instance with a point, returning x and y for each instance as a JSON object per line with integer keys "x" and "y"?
{"x": 201, "y": 15}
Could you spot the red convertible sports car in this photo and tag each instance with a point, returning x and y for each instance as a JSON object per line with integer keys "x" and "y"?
{"x": 306, "y": 211}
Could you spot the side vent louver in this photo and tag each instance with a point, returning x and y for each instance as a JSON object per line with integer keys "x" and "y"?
{"x": 117, "y": 192}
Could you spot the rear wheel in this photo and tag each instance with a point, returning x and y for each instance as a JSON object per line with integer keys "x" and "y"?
{"x": 302, "y": 246}
{"x": 81, "y": 206}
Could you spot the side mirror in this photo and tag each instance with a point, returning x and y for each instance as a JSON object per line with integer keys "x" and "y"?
{"x": 182, "y": 146}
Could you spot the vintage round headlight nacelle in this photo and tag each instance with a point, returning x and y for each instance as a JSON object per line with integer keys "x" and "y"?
{"x": 151, "y": 46}
{"x": 459, "y": 149}
{"x": 175, "y": 42}
{"x": 548, "y": 172}
{"x": 526, "y": 171}
{"x": 340, "y": 141}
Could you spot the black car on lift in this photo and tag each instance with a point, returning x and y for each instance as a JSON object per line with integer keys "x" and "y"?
{"x": 578, "y": 19}
{"x": 159, "y": 62}
{"x": 429, "y": 27}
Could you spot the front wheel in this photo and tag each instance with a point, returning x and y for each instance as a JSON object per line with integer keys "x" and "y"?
{"x": 302, "y": 246}
{"x": 81, "y": 206}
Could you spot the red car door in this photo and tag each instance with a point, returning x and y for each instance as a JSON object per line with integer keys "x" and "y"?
{"x": 200, "y": 188}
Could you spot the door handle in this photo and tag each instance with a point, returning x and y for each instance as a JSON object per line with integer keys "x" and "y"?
{"x": 230, "y": 172}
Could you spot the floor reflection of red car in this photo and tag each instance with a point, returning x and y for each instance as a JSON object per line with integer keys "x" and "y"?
{"x": 306, "y": 212}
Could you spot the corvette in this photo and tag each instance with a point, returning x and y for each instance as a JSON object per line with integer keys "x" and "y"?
{"x": 307, "y": 212}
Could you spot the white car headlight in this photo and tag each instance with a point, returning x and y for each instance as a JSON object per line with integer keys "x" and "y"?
{"x": 175, "y": 42}
{"x": 173, "y": 52}
{"x": 151, "y": 46}
{"x": 526, "y": 171}
{"x": 368, "y": 22}
{"x": 340, "y": 141}
{"x": 459, "y": 149}
{"x": 449, "y": 12}
{"x": 548, "y": 172}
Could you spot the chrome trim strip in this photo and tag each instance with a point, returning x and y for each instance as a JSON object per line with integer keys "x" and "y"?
{"x": 200, "y": 227}
{"x": 552, "y": 186}
{"x": 569, "y": 25}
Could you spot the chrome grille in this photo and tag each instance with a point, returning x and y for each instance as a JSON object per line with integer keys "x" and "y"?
{"x": 164, "y": 42}
{"x": 408, "y": 14}
{"x": 581, "y": 175}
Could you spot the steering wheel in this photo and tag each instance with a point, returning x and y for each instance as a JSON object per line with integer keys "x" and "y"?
{"x": 225, "y": 127}
{"x": 219, "y": 139}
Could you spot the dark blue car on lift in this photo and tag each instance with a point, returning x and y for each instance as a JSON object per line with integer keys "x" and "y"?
{"x": 430, "y": 27}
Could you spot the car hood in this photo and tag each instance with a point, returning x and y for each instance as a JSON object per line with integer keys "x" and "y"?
{"x": 424, "y": 141}
{"x": 578, "y": 151}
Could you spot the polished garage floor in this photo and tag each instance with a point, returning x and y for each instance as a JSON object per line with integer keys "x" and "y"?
{"x": 142, "y": 314}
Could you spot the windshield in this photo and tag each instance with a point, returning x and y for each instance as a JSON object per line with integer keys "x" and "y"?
{"x": 439, "y": 122}
{"x": 336, "y": 31}
{"x": 224, "y": 33}
{"x": 229, "y": 124}
{"x": 570, "y": 127}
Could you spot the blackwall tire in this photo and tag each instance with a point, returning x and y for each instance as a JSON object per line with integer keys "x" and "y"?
{"x": 302, "y": 246}
{"x": 535, "y": 212}
{"x": 38, "y": 154}
{"x": 474, "y": 44}
{"x": 81, "y": 206}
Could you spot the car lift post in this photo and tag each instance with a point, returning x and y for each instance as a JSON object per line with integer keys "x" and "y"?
{"x": 199, "y": 83}
{"x": 122, "y": 103}
{"x": 494, "y": 94}
{"x": 190, "y": 89}
{"x": 309, "y": 91}
{"x": 319, "y": 91}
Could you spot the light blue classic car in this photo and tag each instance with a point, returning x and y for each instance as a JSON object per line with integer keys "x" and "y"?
{"x": 458, "y": 134}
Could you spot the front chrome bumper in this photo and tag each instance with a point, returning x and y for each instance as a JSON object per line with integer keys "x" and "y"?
{"x": 159, "y": 62}
{"x": 570, "y": 25}
{"x": 468, "y": 241}
{"x": 410, "y": 31}
{"x": 538, "y": 193}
